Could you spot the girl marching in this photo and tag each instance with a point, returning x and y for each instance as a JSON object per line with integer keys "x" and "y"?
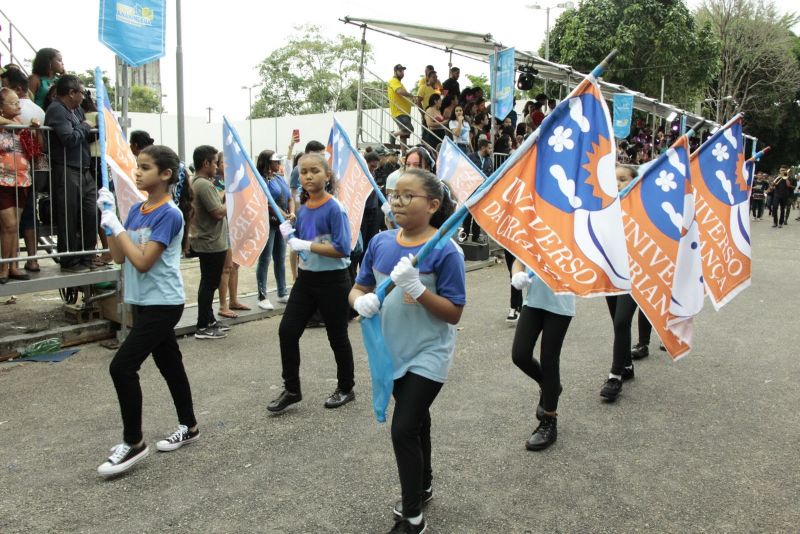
{"x": 148, "y": 246}
{"x": 418, "y": 322}
{"x": 322, "y": 238}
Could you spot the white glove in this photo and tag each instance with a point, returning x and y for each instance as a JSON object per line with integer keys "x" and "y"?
{"x": 367, "y": 305}
{"x": 406, "y": 277}
{"x": 299, "y": 245}
{"x": 109, "y": 220}
{"x": 286, "y": 229}
{"x": 520, "y": 280}
{"x": 105, "y": 200}
{"x": 386, "y": 208}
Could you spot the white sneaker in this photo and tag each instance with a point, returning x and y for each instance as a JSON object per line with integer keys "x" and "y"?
{"x": 265, "y": 305}
{"x": 283, "y": 300}
{"x": 513, "y": 316}
{"x": 122, "y": 458}
{"x": 178, "y": 439}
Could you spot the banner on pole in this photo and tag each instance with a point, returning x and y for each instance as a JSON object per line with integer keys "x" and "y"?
{"x": 502, "y": 83}
{"x": 133, "y": 30}
{"x": 455, "y": 168}
{"x": 623, "y": 111}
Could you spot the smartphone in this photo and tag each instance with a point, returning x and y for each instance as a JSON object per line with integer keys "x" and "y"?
{"x": 296, "y": 135}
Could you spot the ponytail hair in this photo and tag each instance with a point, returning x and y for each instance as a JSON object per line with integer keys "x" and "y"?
{"x": 166, "y": 159}
{"x": 435, "y": 189}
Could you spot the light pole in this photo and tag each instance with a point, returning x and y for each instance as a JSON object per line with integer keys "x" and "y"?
{"x": 249, "y": 89}
{"x": 547, "y": 8}
{"x": 160, "y": 113}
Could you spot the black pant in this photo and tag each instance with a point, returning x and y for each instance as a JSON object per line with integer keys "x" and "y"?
{"x": 411, "y": 437}
{"x": 780, "y": 211}
{"x": 645, "y": 329}
{"x": 153, "y": 332}
{"x": 211, "y": 265}
{"x": 516, "y": 294}
{"x": 553, "y": 327}
{"x": 621, "y": 308}
{"x": 74, "y": 212}
{"x": 326, "y": 290}
{"x": 471, "y": 227}
{"x": 757, "y": 206}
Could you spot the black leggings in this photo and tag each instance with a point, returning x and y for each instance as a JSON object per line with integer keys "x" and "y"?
{"x": 326, "y": 291}
{"x": 516, "y": 294}
{"x": 211, "y": 265}
{"x": 621, "y": 308}
{"x": 553, "y": 327}
{"x": 411, "y": 437}
{"x": 645, "y": 329}
{"x": 153, "y": 333}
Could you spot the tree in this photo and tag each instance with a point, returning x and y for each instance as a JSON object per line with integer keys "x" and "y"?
{"x": 759, "y": 70}
{"x": 143, "y": 100}
{"x": 87, "y": 79}
{"x": 311, "y": 74}
{"x": 656, "y": 39}
{"x": 481, "y": 81}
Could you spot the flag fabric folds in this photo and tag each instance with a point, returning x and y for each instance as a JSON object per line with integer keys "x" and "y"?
{"x": 664, "y": 249}
{"x": 115, "y": 154}
{"x": 722, "y": 199}
{"x": 245, "y": 200}
{"x": 455, "y": 168}
{"x": 555, "y": 204}
{"x": 354, "y": 181}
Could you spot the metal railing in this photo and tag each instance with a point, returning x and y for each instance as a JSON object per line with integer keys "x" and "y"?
{"x": 48, "y": 199}
{"x": 10, "y": 44}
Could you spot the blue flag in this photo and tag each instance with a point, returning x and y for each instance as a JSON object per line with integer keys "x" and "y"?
{"x": 502, "y": 79}
{"x": 623, "y": 111}
{"x": 133, "y": 30}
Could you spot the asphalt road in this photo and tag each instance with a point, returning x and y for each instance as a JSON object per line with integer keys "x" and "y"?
{"x": 707, "y": 444}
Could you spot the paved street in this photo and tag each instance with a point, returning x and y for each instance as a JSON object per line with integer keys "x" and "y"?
{"x": 708, "y": 444}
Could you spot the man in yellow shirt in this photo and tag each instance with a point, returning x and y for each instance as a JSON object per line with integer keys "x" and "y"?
{"x": 400, "y": 105}
{"x": 430, "y": 87}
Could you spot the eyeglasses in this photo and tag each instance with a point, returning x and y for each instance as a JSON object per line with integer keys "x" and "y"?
{"x": 404, "y": 199}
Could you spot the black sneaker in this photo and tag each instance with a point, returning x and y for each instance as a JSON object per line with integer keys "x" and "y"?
{"x": 339, "y": 398}
{"x": 122, "y": 458}
{"x": 639, "y": 351}
{"x": 544, "y": 435}
{"x": 210, "y": 333}
{"x": 404, "y": 526}
{"x": 540, "y": 408}
{"x": 222, "y": 327}
{"x": 284, "y": 400}
{"x": 77, "y": 268}
{"x": 627, "y": 374}
{"x": 178, "y": 439}
{"x": 611, "y": 389}
{"x": 513, "y": 316}
{"x": 427, "y": 495}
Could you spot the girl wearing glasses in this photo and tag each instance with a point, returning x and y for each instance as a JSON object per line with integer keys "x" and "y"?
{"x": 322, "y": 239}
{"x": 427, "y": 301}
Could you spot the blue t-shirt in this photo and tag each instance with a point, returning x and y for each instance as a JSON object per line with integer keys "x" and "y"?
{"x": 542, "y": 297}
{"x": 280, "y": 191}
{"x": 418, "y": 341}
{"x": 162, "y": 284}
{"x": 294, "y": 179}
{"x": 324, "y": 223}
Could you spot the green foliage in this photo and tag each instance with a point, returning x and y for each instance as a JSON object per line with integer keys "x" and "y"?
{"x": 310, "y": 74}
{"x": 481, "y": 81}
{"x": 143, "y": 100}
{"x": 655, "y": 39}
{"x": 87, "y": 79}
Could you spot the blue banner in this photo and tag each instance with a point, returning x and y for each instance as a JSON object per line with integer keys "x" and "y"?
{"x": 502, "y": 83}
{"x": 623, "y": 111}
{"x": 683, "y": 124}
{"x": 133, "y": 30}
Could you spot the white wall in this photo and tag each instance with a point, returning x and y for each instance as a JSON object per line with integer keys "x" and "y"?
{"x": 199, "y": 132}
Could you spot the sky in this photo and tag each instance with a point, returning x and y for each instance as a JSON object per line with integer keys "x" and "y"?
{"x": 223, "y": 46}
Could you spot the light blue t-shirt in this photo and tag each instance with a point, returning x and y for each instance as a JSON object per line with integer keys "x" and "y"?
{"x": 418, "y": 341}
{"x": 463, "y": 138}
{"x": 324, "y": 223}
{"x": 162, "y": 284}
{"x": 542, "y": 297}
